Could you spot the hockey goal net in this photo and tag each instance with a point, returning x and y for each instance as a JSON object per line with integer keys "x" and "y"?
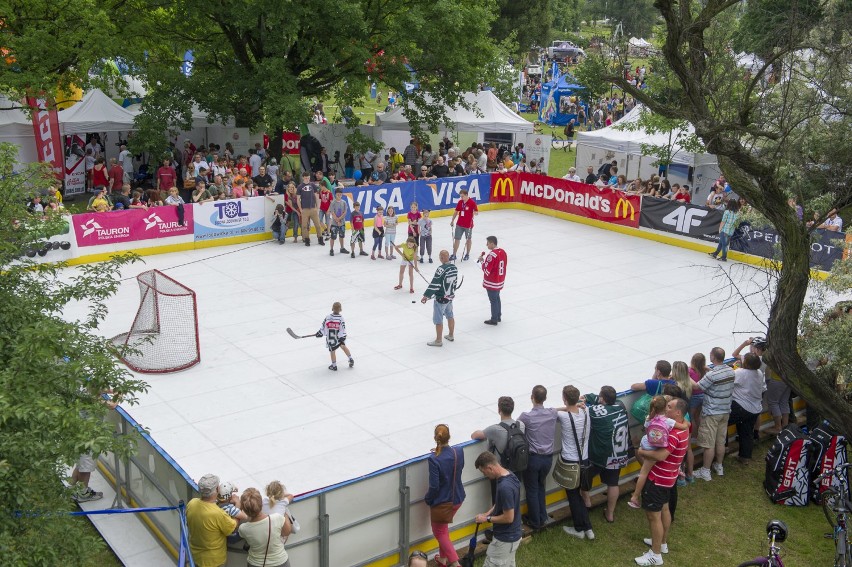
{"x": 164, "y": 335}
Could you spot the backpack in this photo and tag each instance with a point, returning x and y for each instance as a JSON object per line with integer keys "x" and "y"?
{"x": 787, "y": 477}
{"x": 657, "y": 434}
{"x": 827, "y": 450}
{"x": 517, "y": 454}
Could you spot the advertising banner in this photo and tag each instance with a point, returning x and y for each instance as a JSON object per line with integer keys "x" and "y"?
{"x": 681, "y": 218}
{"x": 94, "y": 229}
{"x": 75, "y": 165}
{"x": 291, "y": 143}
{"x": 47, "y": 139}
{"x": 826, "y": 246}
{"x": 579, "y": 199}
{"x": 234, "y": 217}
{"x": 537, "y": 147}
{"x": 433, "y": 194}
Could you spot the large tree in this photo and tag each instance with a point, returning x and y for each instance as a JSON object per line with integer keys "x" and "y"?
{"x": 52, "y": 375}
{"x": 263, "y": 61}
{"x": 781, "y": 129}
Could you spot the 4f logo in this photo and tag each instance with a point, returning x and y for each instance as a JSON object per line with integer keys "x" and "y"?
{"x": 683, "y": 218}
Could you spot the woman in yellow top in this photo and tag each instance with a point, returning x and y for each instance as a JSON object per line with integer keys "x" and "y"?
{"x": 407, "y": 257}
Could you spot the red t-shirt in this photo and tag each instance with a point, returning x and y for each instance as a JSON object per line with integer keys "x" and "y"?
{"x": 167, "y": 177}
{"x": 413, "y": 227}
{"x": 494, "y": 269}
{"x": 466, "y": 210}
{"x": 326, "y": 197}
{"x": 683, "y": 197}
{"x": 357, "y": 220}
{"x": 99, "y": 177}
{"x": 116, "y": 174}
{"x": 664, "y": 473}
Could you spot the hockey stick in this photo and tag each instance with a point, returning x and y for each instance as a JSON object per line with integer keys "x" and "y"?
{"x": 295, "y": 336}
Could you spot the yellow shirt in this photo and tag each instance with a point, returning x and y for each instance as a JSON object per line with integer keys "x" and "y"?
{"x": 408, "y": 253}
{"x": 100, "y": 205}
{"x": 208, "y": 526}
{"x": 396, "y": 161}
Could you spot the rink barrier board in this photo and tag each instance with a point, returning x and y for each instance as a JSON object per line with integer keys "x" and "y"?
{"x": 345, "y": 517}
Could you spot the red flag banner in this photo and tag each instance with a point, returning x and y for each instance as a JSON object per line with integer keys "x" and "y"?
{"x": 47, "y": 139}
{"x": 608, "y": 205}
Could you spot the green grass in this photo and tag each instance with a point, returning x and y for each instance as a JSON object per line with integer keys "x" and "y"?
{"x": 717, "y": 523}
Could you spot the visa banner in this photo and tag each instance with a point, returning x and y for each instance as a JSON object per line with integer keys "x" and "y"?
{"x": 234, "y": 217}
{"x": 432, "y": 194}
{"x": 115, "y": 227}
{"x": 608, "y": 205}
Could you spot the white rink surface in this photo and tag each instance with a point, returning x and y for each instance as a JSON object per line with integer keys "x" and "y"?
{"x": 582, "y": 306}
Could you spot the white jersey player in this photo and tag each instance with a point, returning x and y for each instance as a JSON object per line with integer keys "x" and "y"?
{"x": 334, "y": 330}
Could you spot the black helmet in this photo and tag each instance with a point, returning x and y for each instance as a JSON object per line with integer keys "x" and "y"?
{"x": 778, "y": 528}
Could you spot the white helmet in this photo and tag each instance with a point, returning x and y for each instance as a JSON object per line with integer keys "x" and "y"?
{"x": 226, "y": 489}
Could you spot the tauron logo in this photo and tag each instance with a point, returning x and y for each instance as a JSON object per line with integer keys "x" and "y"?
{"x": 152, "y": 220}
{"x": 89, "y": 227}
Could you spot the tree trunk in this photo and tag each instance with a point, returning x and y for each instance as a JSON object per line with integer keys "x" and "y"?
{"x": 276, "y": 144}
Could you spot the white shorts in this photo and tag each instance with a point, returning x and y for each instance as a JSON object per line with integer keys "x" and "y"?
{"x": 86, "y": 464}
{"x": 404, "y": 262}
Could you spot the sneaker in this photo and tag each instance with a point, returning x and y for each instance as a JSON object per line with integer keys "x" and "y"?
{"x": 590, "y": 534}
{"x": 490, "y": 322}
{"x": 703, "y": 474}
{"x": 88, "y": 495}
{"x": 435, "y": 343}
{"x": 718, "y": 469}
{"x": 574, "y": 533}
{"x": 332, "y": 367}
{"x": 372, "y": 256}
{"x": 331, "y": 252}
{"x": 681, "y": 482}
{"x": 280, "y": 242}
{"x": 430, "y": 260}
{"x": 649, "y": 558}
{"x": 362, "y": 253}
{"x": 352, "y": 255}
{"x": 466, "y": 258}
{"x": 449, "y": 338}
{"x": 351, "y": 362}
{"x": 723, "y": 259}
{"x": 320, "y": 241}
{"x": 690, "y": 480}
{"x": 420, "y": 260}
{"x": 307, "y": 242}
{"x": 344, "y": 251}
{"x": 452, "y": 258}
{"x": 664, "y": 547}
{"x": 380, "y": 257}
{"x": 711, "y": 255}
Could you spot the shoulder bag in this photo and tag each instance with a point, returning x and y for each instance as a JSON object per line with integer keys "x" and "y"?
{"x": 443, "y": 513}
{"x": 639, "y": 409}
{"x": 573, "y": 475}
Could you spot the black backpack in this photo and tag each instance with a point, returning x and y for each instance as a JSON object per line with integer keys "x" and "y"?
{"x": 517, "y": 453}
{"x": 787, "y": 479}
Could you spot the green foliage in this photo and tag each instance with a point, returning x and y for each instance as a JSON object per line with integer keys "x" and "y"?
{"x": 52, "y": 374}
{"x": 592, "y": 73}
{"x": 566, "y": 15}
{"x": 770, "y": 24}
{"x": 529, "y": 19}
{"x": 260, "y": 61}
{"x": 637, "y": 17}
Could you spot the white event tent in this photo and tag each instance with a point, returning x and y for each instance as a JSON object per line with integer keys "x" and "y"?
{"x": 96, "y": 112}
{"x": 488, "y": 115}
{"x": 599, "y": 146}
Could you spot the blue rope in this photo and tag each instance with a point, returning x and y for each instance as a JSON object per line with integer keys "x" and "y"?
{"x": 184, "y": 537}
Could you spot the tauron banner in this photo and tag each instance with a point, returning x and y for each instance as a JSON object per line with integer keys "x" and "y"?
{"x": 681, "y": 218}
{"x": 115, "y": 227}
{"x": 826, "y": 246}
{"x": 579, "y": 199}
{"x": 47, "y": 139}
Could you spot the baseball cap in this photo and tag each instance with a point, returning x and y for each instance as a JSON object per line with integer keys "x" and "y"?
{"x": 208, "y": 485}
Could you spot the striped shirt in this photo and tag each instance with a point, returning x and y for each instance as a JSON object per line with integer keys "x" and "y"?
{"x": 664, "y": 473}
{"x": 718, "y": 386}
{"x": 334, "y": 329}
{"x": 443, "y": 284}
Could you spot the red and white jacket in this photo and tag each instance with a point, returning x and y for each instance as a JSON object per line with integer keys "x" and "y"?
{"x": 494, "y": 269}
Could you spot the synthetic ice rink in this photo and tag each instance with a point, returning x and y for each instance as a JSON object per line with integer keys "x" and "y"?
{"x": 581, "y": 306}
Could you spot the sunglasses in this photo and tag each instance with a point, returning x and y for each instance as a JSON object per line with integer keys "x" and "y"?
{"x": 419, "y": 554}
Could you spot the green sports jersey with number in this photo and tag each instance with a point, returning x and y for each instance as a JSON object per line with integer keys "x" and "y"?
{"x": 610, "y": 437}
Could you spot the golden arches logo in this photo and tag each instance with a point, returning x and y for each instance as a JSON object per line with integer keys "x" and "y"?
{"x": 502, "y": 186}
{"x": 624, "y": 209}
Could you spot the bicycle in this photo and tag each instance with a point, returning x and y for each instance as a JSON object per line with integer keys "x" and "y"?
{"x": 836, "y": 506}
{"x": 559, "y": 142}
{"x": 776, "y": 532}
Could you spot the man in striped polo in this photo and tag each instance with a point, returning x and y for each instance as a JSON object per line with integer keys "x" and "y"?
{"x": 658, "y": 490}
{"x": 718, "y": 386}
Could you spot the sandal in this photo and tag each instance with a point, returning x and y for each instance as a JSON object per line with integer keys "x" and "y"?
{"x": 633, "y": 504}
{"x": 412, "y": 290}
{"x": 397, "y": 287}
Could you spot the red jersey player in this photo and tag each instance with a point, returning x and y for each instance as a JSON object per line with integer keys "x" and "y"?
{"x": 493, "y": 277}
{"x": 466, "y": 209}
{"x": 357, "y": 220}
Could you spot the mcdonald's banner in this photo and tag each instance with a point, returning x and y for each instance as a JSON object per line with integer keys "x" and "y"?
{"x": 579, "y": 199}
{"x": 47, "y": 139}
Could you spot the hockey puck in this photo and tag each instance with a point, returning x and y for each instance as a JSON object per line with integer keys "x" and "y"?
{"x": 415, "y": 301}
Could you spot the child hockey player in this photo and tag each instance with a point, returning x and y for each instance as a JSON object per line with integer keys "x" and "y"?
{"x": 334, "y": 330}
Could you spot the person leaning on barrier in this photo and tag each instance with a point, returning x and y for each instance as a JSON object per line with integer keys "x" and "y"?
{"x": 540, "y": 429}
{"x": 445, "y": 486}
{"x": 209, "y": 525}
{"x": 263, "y": 532}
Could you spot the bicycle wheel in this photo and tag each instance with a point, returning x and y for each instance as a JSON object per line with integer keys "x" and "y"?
{"x": 557, "y": 143}
{"x": 829, "y": 500}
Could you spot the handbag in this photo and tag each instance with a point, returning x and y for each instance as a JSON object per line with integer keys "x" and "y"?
{"x": 573, "y": 475}
{"x": 640, "y": 408}
{"x": 268, "y": 537}
{"x": 443, "y": 513}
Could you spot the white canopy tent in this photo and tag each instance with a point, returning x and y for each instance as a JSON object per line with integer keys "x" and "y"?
{"x": 489, "y": 115}
{"x": 599, "y": 146}
{"x": 96, "y": 112}
{"x": 17, "y": 128}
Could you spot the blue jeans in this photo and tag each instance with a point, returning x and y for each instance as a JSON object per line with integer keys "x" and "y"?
{"x": 496, "y": 308}
{"x": 535, "y": 478}
{"x": 722, "y": 248}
